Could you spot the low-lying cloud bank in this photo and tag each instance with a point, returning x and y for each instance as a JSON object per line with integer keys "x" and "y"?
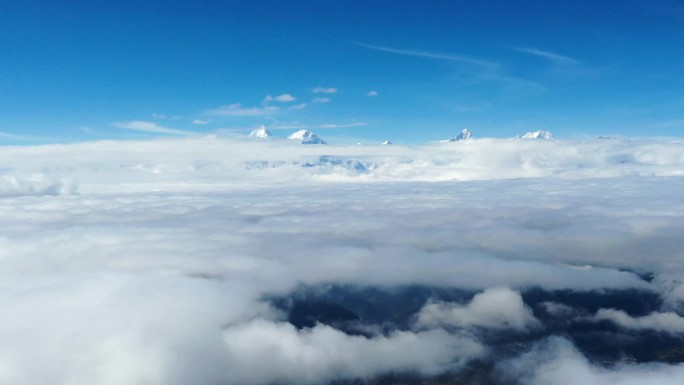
{"x": 34, "y": 185}
{"x": 556, "y": 361}
{"x": 322, "y": 354}
{"x": 668, "y": 322}
{"x": 215, "y": 160}
{"x": 169, "y": 264}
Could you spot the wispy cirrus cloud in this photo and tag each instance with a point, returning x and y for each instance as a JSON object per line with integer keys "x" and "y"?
{"x": 237, "y": 109}
{"x": 430, "y": 55}
{"x": 163, "y": 116}
{"x": 372, "y": 93}
{"x": 150, "y": 127}
{"x": 320, "y": 100}
{"x": 555, "y": 58}
{"x": 324, "y": 90}
{"x": 472, "y": 69}
{"x": 299, "y": 106}
{"x": 319, "y": 126}
{"x": 9, "y": 135}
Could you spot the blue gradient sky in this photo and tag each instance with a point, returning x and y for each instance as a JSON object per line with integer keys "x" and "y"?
{"x": 86, "y": 70}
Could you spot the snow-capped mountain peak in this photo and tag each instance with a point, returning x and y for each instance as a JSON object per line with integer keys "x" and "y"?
{"x": 540, "y": 134}
{"x": 306, "y": 137}
{"x": 463, "y": 135}
{"x": 260, "y": 133}
{"x": 387, "y": 142}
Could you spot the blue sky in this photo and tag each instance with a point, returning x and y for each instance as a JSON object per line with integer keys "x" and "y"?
{"x": 410, "y": 71}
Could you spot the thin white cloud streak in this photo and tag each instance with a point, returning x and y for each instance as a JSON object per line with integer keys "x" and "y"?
{"x": 320, "y": 100}
{"x": 237, "y": 109}
{"x": 299, "y": 106}
{"x": 473, "y": 71}
{"x": 557, "y": 59}
{"x": 372, "y": 93}
{"x": 324, "y": 90}
{"x": 200, "y": 121}
{"x": 559, "y": 310}
{"x": 150, "y": 127}
{"x": 668, "y": 322}
{"x": 431, "y": 55}
{"x": 9, "y": 135}
{"x": 284, "y": 98}
{"x": 316, "y": 126}
{"x": 163, "y": 116}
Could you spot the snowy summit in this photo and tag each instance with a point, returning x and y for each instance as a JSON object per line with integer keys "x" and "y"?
{"x": 261, "y": 133}
{"x": 387, "y": 142}
{"x": 463, "y": 135}
{"x": 541, "y": 134}
{"x": 306, "y": 137}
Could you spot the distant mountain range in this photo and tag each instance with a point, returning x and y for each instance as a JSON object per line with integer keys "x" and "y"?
{"x": 540, "y": 134}
{"x": 309, "y": 137}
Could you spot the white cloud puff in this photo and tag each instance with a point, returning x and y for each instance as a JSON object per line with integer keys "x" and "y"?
{"x": 263, "y": 352}
{"x": 668, "y": 322}
{"x": 495, "y": 308}
{"x": 283, "y": 98}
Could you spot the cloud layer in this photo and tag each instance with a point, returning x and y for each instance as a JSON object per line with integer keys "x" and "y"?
{"x": 556, "y": 361}
{"x": 34, "y": 185}
{"x": 160, "y": 268}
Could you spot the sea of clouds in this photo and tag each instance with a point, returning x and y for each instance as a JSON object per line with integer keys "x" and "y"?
{"x": 158, "y": 262}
